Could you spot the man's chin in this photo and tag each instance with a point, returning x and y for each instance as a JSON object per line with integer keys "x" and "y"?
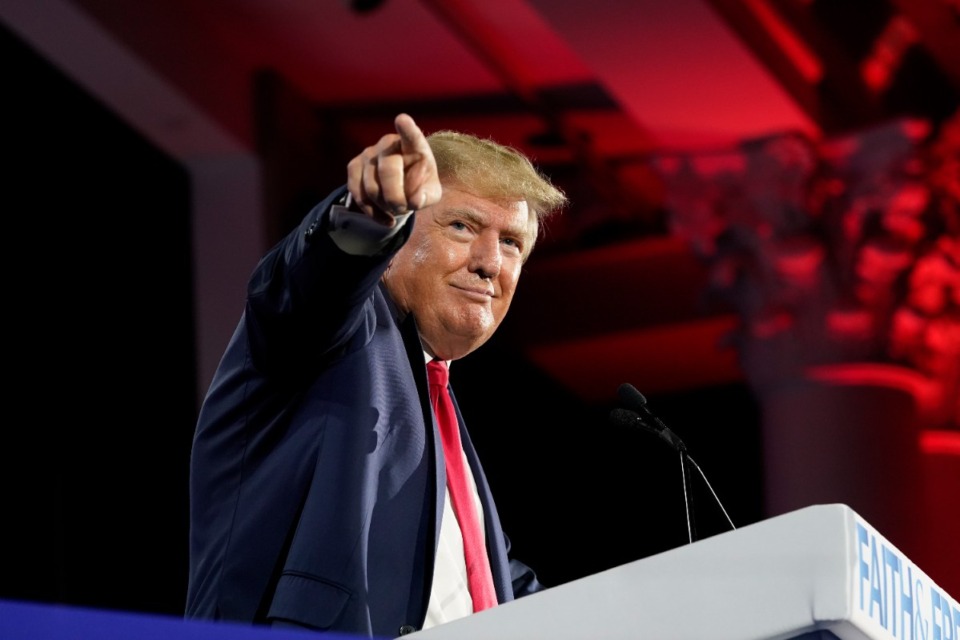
{"x": 462, "y": 340}
{"x": 472, "y": 322}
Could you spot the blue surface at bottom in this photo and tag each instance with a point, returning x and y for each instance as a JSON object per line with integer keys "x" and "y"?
{"x": 37, "y": 621}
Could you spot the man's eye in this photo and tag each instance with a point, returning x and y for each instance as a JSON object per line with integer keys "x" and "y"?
{"x": 459, "y": 226}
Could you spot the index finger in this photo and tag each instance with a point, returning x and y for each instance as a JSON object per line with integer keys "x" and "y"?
{"x": 421, "y": 184}
{"x": 412, "y": 139}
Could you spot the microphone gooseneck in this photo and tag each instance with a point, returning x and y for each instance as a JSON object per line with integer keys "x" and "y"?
{"x": 638, "y": 415}
{"x": 632, "y": 419}
{"x": 712, "y": 492}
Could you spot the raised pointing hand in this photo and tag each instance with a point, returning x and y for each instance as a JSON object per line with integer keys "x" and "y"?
{"x": 396, "y": 175}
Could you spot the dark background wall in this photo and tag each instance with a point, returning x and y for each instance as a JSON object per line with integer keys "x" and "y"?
{"x": 99, "y": 356}
{"x": 102, "y": 387}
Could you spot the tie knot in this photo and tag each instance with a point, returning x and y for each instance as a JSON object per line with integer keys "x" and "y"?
{"x": 437, "y": 373}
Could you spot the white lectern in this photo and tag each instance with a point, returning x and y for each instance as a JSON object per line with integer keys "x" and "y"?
{"x": 818, "y": 572}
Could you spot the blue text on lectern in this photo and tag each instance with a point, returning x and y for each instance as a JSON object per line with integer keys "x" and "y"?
{"x": 892, "y": 591}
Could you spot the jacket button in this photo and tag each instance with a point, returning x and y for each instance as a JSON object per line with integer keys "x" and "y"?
{"x": 311, "y": 231}
{"x": 407, "y": 629}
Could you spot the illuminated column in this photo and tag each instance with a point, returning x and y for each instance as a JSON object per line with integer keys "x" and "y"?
{"x": 841, "y": 259}
{"x": 848, "y": 433}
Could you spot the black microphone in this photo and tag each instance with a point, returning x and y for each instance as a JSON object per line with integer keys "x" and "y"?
{"x": 634, "y": 400}
{"x": 631, "y": 419}
{"x": 635, "y": 417}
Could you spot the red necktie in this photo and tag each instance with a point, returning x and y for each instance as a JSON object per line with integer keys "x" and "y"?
{"x": 479, "y": 575}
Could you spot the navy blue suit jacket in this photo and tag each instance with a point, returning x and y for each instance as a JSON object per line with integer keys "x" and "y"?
{"x": 316, "y": 473}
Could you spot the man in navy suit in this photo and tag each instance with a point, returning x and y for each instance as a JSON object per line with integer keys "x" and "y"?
{"x": 317, "y": 485}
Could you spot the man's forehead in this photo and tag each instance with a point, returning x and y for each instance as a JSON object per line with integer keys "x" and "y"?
{"x": 463, "y": 199}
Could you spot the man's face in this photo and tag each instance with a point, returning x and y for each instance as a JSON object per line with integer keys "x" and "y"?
{"x": 458, "y": 271}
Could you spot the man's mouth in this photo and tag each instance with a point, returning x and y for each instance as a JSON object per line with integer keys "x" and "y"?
{"x": 480, "y": 294}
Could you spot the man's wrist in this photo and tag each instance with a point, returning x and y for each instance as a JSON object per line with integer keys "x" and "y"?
{"x": 357, "y": 233}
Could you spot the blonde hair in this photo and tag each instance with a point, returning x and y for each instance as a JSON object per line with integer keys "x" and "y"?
{"x": 492, "y": 170}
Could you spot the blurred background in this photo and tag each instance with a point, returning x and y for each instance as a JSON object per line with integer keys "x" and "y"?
{"x": 763, "y": 238}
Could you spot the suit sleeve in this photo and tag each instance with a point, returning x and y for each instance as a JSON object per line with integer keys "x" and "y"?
{"x": 524, "y": 579}
{"x": 308, "y": 298}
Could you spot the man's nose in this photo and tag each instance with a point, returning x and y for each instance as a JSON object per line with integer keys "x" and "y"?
{"x": 486, "y": 256}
